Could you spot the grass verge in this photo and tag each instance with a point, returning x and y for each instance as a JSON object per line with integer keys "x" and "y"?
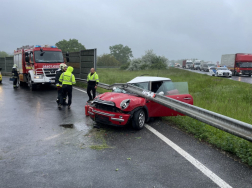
{"x": 221, "y": 95}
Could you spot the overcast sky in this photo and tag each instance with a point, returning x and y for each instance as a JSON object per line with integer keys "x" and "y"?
{"x": 176, "y": 29}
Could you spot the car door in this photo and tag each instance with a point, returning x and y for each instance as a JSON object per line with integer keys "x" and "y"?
{"x": 171, "y": 90}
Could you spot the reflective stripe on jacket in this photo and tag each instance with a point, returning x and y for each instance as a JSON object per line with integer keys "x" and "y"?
{"x": 94, "y": 77}
{"x": 67, "y": 78}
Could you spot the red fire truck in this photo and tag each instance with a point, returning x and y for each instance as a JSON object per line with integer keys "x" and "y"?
{"x": 239, "y": 64}
{"x": 37, "y": 64}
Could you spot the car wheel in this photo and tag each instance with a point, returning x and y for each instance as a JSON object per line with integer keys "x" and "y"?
{"x": 138, "y": 120}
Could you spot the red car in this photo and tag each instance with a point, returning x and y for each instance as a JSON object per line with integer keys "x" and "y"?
{"x": 119, "y": 107}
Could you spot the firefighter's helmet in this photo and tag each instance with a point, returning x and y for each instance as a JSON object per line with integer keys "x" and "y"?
{"x": 62, "y": 66}
{"x": 14, "y": 66}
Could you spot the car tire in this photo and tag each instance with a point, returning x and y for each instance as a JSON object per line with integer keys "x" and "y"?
{"x": 138, "y": 120}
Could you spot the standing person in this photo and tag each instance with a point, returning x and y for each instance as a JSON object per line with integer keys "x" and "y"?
{"x": 67, "y": 79}
{"x": 14, "y": 75}
{"x": 93, "y": 81}
{"x": 62, "y": 68}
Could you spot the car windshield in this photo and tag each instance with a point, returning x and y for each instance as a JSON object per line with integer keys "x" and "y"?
{"x": 197, "y": 63}
{"x": 49, "y": 57}
{"x": 188, "y": 62}
{"x": 169, "y": 87}
{"x": 211, "y": 65}
{"x": 245, "y": 64}
{"x": 119, "y": 90}
{"x": 222, "y": 68}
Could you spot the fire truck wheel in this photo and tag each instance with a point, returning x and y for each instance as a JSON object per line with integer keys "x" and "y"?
{"x": 138, "y": 120}
{"x": 21, "y": 83}
{"x": 31, "y": 85}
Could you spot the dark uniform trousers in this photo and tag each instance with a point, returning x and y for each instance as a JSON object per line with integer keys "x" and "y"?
{"x": 91, "y": 87}
{"x": 66, "y": 91}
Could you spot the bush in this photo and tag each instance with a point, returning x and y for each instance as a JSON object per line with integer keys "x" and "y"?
{"x": 148, "y": 61}
{"x": 125, "y": 66}
{"x": 107, "y": 60}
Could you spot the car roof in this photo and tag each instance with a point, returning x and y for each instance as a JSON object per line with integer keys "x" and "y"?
{"x": 147, "y": 79}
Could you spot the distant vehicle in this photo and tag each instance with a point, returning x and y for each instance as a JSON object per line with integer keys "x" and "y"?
{"x": 239, "y": 64}
{"x": 1, "y": 75}
{"x": 196, "y": 64}
{"x": 189, "y": 64}
{"x": 212, "y": 71}
{"x": 223, "y": 71}
{"x": 184, "y": 64}
{"x": 177, "y": 65}
{"x": 206, "y": 66}
{"x": 37, "y": 64}
{"x": 119, "y": 108}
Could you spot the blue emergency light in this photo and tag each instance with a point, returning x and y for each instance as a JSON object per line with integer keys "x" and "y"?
{"x": 53, "y": 47}
{"x": 37, "y": 46}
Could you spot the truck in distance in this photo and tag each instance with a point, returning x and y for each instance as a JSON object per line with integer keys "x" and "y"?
{"x": 238, "y": 64}
{"x": 37, "y": 64}
{"x": 189, "y": 64}
{"x": 196, "y": 64}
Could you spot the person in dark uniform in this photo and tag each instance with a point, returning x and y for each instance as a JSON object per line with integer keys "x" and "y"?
{"x": 15, "y": 76}
{"x": 62, "y": 68}
{"x": 93, "y": 81}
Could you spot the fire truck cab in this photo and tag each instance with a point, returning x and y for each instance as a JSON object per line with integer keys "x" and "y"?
{"x": 37, "y": 64}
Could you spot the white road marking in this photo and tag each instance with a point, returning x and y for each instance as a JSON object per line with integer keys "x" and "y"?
{"x": 54, "y": 136}
{"x": 221, "y": 183}
{"x": 80, "y": 90}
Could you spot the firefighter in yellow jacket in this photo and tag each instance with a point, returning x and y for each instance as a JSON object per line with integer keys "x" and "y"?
{"x": 93, "y": 81}
{"x": 67, "y": 79}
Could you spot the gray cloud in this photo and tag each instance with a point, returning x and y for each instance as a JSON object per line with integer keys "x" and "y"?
{"x": 176, "y": 29}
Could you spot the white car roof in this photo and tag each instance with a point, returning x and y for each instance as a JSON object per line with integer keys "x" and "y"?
{"x": 147, "y": 79}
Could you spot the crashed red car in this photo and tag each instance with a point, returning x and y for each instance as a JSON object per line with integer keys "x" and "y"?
{"x": 119, "y": 108}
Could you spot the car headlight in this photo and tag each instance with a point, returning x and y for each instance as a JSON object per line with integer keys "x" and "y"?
{"x": 124, "y": 104}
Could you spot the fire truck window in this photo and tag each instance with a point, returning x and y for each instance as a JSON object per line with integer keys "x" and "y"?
{"x": 31, "y": 60}
{"x": 237, "y": 64}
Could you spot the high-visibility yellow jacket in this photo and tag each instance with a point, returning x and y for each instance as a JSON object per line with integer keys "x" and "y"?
{"x": 93, "y": 78}
{"x": 67, "y": 78}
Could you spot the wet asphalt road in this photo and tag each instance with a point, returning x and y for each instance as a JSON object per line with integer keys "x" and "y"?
{"x": 243, "y": 78}
{"x": 35, "y": 151}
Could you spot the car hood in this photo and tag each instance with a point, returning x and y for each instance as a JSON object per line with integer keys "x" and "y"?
{"x": 224, "y": 71}
{"x": 117, "y": 98}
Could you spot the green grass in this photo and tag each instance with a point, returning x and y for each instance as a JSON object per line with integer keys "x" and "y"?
{"x": 221, "y": 95}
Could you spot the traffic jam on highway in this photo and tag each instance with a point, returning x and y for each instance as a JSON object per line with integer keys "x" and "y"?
{"x": 132, "y": 104}
{"x": 239, "y": 64}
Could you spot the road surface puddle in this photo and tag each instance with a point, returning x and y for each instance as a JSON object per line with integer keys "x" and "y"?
{"x": 69, "y": 125}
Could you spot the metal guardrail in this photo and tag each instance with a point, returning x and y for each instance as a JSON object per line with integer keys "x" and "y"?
{"x": 227, "y": 124}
